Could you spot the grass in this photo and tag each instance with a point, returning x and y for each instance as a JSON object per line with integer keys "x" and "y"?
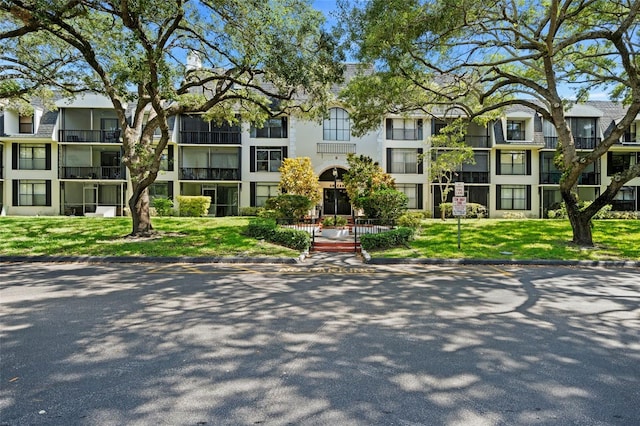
{"x": 480, "y": 239}
{"x": 519, "y": 240}
{"x": 87, "y": 236}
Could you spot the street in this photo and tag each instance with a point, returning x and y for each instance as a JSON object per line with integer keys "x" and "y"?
{"x": 337, "y": 343}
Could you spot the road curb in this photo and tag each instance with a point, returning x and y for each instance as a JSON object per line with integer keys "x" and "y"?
{"x": 140, "y": 259}
{"x": 524, "y": 262}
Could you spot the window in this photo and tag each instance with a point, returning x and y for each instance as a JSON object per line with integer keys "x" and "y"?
{"x": 264, "y": 191}
{"x": 337, "y": 127}
{"x": 515, "y": 130}
{"x": 32, "y": 193}
{"x": 403, "y": 161}
{"x": 625, "y": 199}
{"x": 267, "y": 159}
{"x": 618, "y": 162}
{"x": 401, "y": 129}
{"x": 25, "y": 124}
{"x": 273, "y": 128}
{"x": 513, "y": 197}
{"x": 514, "y": 163}
{"x": 31, "y": 156}
{"x": 630, "y": 134}
{"x": 413, "y": 193}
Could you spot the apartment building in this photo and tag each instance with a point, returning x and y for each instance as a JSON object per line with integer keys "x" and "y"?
{"x": 68, "y": 161}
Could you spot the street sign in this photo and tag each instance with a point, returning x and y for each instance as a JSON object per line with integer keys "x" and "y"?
{"x": 459, "y": 206}
{"x": 458, "y": 189}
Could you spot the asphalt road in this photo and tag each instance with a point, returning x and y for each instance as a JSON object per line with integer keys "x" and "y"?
{"x": 330, "y": 343}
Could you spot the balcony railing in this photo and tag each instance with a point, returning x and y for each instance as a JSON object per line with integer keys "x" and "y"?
{"x": 336, "y": 148}
{"x": 211, "y": 138}
{"x": 99, "y": 172}
{"x": 551, "y": 142}
{"x": 588, "y": 178}
{"x": 477, "y": 141}
{"x": 106, "y": 136}
{"x": 201, "y": 173}
{"x": 473, "y": 177}
{"x": 404, "y": 134}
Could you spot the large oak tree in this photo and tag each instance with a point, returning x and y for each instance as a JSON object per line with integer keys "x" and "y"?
{"x": 252, "y": 59}
{"x": 483, "y": 56}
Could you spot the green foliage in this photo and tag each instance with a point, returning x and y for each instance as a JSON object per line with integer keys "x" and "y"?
{"x": 474, "y": 210}
{"x": 251, "y": 211}
{"x": 289, "y": 206}
{"x": 298, "y": 178}
{"x": 385, "y": 204}
{"x": 411, "y": 220}
{"x": 339, "y": 221}
{"x": 364, "y": 177}
{"x": 193, "y": 206}
{"x": 266, "y": 229}
{"x": 268, "y": 214}
{"x": 395, "y": 237}
{"x": 163, "y": 206}
{"x": 561, "y": 213}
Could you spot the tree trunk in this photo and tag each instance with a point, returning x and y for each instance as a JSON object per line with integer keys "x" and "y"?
{"x": 580, "y": 224}
{"x": 139, "y": 206}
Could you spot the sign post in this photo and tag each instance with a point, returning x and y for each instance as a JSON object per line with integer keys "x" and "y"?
{"x": 459, "y": 205}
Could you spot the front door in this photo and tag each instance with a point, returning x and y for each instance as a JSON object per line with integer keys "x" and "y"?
{"x": 343, "y": 205}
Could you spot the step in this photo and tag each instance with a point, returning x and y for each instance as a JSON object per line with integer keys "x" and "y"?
{"x": 336, "y": 247}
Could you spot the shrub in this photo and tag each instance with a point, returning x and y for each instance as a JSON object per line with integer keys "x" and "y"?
{"x": 383, "y": 240}
{"x": 328, "y": 221}
{"x": 163, "y": 206}
{"x": 194, "y": 206}
{"x": 385, "y": 204}
{"x": 268, "y": 214}
{"x": 289, "y": 205}
{"x": 251, "y": 211}
{"x": 513, "y": 215}
{"x": 561, "y": 212}
{"x": 411, "y": 220}
{"x": 474, "y": 210}
{"x": 266, "y": 229}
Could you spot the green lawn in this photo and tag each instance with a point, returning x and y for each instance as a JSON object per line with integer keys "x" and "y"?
{"x": 520, "y": 239}
{"x": 480, "y": 239}
{"x": 72, "y": 236}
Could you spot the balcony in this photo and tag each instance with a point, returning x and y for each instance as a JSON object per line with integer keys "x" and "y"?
{"x": 90, "y": 172}
{"x": 102, "y": 136}
{"x": 587, "y": 178}
{"x": 473, "y": 177}
{"x": 404, "y": 134}
{"x": 202, "y": 173}
{"x": 232, "y": 137}
{"x": 551, "y": 142}
{"x": 336, "y": 148}
{"x": 480, "y": 141}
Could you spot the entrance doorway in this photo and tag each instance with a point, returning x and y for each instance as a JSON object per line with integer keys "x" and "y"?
{"x": 343, "y": 205}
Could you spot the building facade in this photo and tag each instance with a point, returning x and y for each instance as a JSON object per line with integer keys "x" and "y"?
{"x": 68, "y": 161}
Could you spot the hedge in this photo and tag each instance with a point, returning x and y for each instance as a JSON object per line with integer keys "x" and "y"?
{"x": 395, "y": 237}
{"x": 268, "y": 230}
{"x": 193, "y": 206}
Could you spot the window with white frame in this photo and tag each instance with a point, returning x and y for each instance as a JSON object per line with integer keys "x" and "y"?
{"x": 404, "y": 161}
{"x": 411, "y": 191}
{"x": 25, "y": 124}
{"x": 32, "y": 157}
{"x": 268, "y": 159}
{"x": 515, "y": 130}
{"x": 264, "y": 191}
{"x": 32, "y": 193}
{"x": 630, "y": 135}
{"x": 513, "y": 163}
{"x": 272, "y": 128}
{"x": 513, "y": 197}
{"x": 337, "y": 127}
{"x": 403, "y": 129}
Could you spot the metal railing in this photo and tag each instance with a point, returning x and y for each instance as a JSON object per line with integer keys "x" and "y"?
{"x": 211, "y": 138}
{"x": 203, "y": 173}
{"x": 90, "y": 172}
{"x": 104, "y": 136}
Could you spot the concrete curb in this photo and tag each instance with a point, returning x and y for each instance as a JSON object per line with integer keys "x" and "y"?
{"x": 524, "y": 262}
{"x": 140, "y": 259}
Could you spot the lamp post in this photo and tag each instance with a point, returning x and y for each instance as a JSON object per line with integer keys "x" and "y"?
{"x": 335, "y": 196}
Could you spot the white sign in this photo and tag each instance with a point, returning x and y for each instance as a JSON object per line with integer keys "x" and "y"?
{"x": 459, "y": 206}
{"x": 459, "y": 189}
